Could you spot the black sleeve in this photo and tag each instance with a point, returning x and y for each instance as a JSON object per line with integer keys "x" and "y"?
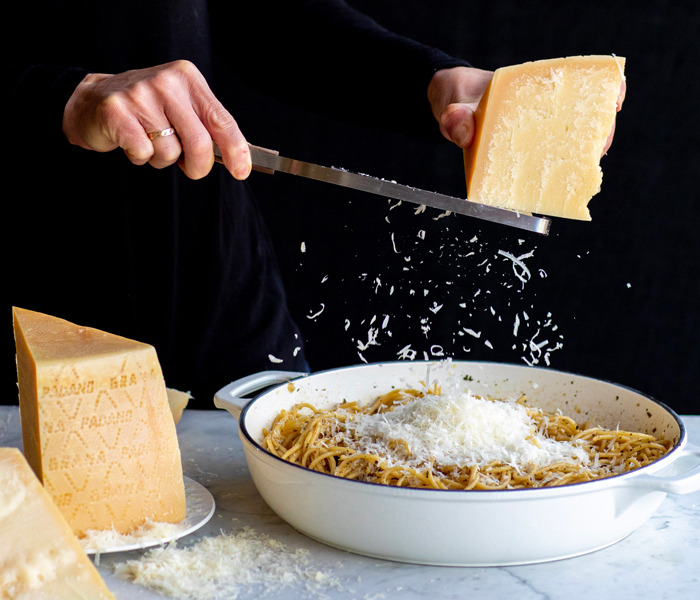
{"x": 324, "y": 56}
{"x": 36, "y": 97}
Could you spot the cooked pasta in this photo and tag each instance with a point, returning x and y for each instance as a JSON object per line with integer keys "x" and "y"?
{"x": 553, "y": 449}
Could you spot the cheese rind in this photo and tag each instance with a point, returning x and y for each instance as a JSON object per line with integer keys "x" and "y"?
{"x": 40, "y": 557}
{"x": 96, "y": 424}
{"x": 540, "y": 129}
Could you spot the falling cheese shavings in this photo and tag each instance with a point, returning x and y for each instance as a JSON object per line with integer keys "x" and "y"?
{"x": 323, "y": 307}
{"x": 421, "y": 208}
{"x": 224, "y": 567}
{"x": 393, "y": 243}
{"x": 371, "y": 340}
{"x": 407, "y": 353}
{"x": 274, "y": 359}
{"x": 524, "y": 274}
{"x": 296, "y": 350}
{"x": 303, "y": 246}
{"x": 412, "y": 316}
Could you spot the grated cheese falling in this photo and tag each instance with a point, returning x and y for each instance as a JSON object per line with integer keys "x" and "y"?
{"x": 459, "y": 428}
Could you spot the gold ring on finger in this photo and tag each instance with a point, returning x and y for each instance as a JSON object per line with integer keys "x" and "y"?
{"x": 164, "y": 133}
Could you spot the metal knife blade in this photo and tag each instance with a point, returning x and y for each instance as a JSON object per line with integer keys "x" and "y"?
{"x": 269, "y": 161}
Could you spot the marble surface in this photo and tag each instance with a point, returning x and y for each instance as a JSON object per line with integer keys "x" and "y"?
{"x": 661, "y": 559}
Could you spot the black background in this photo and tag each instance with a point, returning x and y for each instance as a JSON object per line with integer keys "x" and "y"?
{"x": 621, "y": 294}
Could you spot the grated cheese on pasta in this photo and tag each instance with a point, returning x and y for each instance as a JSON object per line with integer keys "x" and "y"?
{"x": 458, "y": 428}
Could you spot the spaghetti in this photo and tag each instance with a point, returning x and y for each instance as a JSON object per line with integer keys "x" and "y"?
{"x": 519, "y": 446}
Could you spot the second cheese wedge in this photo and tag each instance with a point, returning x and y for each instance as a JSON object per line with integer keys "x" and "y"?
{"x": 540, "y": 130}
{"x": 40, "y": 558}
{"x": 96, "y": 424}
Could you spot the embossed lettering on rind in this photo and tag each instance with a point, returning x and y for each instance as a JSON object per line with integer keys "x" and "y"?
{"x": 103, "y": 436}
{"x": 74, "y": 389}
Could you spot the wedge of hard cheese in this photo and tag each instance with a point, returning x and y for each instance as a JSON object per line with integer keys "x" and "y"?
{"x": 540, "y": 130}
{"x": 96, "y": 424}
{"x": 40, "y": 557}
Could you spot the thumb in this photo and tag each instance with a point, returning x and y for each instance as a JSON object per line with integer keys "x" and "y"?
{"x": 457, "y": 124}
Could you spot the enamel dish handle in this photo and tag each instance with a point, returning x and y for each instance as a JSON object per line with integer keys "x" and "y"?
{"x": 684, "y": 483}
{"x": 230, "y": 397}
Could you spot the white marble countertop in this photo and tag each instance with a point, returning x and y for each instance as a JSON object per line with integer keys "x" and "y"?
{"x": 661, "y": 559}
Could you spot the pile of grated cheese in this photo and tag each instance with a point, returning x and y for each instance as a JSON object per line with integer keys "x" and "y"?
{"x": 458, "y": 428}
{"x": 224, "y": 566}
{"x": 104, "y": 540}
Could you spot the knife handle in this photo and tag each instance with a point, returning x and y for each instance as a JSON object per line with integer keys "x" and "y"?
{"x": 219, "y": 159}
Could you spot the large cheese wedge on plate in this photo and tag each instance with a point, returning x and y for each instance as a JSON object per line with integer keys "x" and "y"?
{"x": 540, "y": 130}
{"x": 96, "y": 424}
{"x": 40, "y": 557}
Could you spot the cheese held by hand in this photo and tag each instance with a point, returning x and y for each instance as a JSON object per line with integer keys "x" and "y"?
{"x": 40, "y": 558}
{"x": 96, "y": 424}
{"x": 540, "y": 129}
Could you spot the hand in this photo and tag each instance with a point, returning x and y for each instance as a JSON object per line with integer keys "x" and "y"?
{"x": 454, "y": 95}
{"x": 620, "y": 100}
{"x": 118, "y": 111}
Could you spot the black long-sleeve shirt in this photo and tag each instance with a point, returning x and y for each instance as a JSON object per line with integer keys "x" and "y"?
{"x": 185, "y": 265}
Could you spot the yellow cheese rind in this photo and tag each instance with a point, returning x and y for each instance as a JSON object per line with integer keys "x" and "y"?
{"x": 40, "y": 557}
{"x": 96, "y": 425}
{"x": 540, "y": 129}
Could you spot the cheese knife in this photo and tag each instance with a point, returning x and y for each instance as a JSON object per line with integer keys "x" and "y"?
{"x": 269, "y": 161}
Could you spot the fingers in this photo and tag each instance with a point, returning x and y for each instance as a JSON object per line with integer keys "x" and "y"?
{"x": 621, "y": 95}
{"x": 199, "y": 118}
{"x": 454, "y": 95}
{"x": 225, "y": 132}
{"x": 109, "y": 111}
{"x": 166, "y": 147}
{"x": 620, "y": 100}
{"x": 457, "y": 124}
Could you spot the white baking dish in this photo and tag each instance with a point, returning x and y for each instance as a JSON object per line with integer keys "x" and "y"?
{"x": 463, "y": 528}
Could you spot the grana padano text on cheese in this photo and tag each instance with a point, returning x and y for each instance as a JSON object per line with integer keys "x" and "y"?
{"x": 96, "y": 424}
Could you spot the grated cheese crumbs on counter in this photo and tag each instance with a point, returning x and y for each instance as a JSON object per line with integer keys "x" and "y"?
{"x": 458, "y": 428}
{"x": 224, "y": 566}
{"x": 108, "y": 539}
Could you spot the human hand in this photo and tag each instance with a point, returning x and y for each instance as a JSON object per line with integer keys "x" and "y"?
{"x": 118, "y": 111}
{"x": 454, "y": 95}
{"x": 620, "y": 100}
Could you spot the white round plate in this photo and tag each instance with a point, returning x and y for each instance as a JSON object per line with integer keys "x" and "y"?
{"x": 200, "y": 508}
